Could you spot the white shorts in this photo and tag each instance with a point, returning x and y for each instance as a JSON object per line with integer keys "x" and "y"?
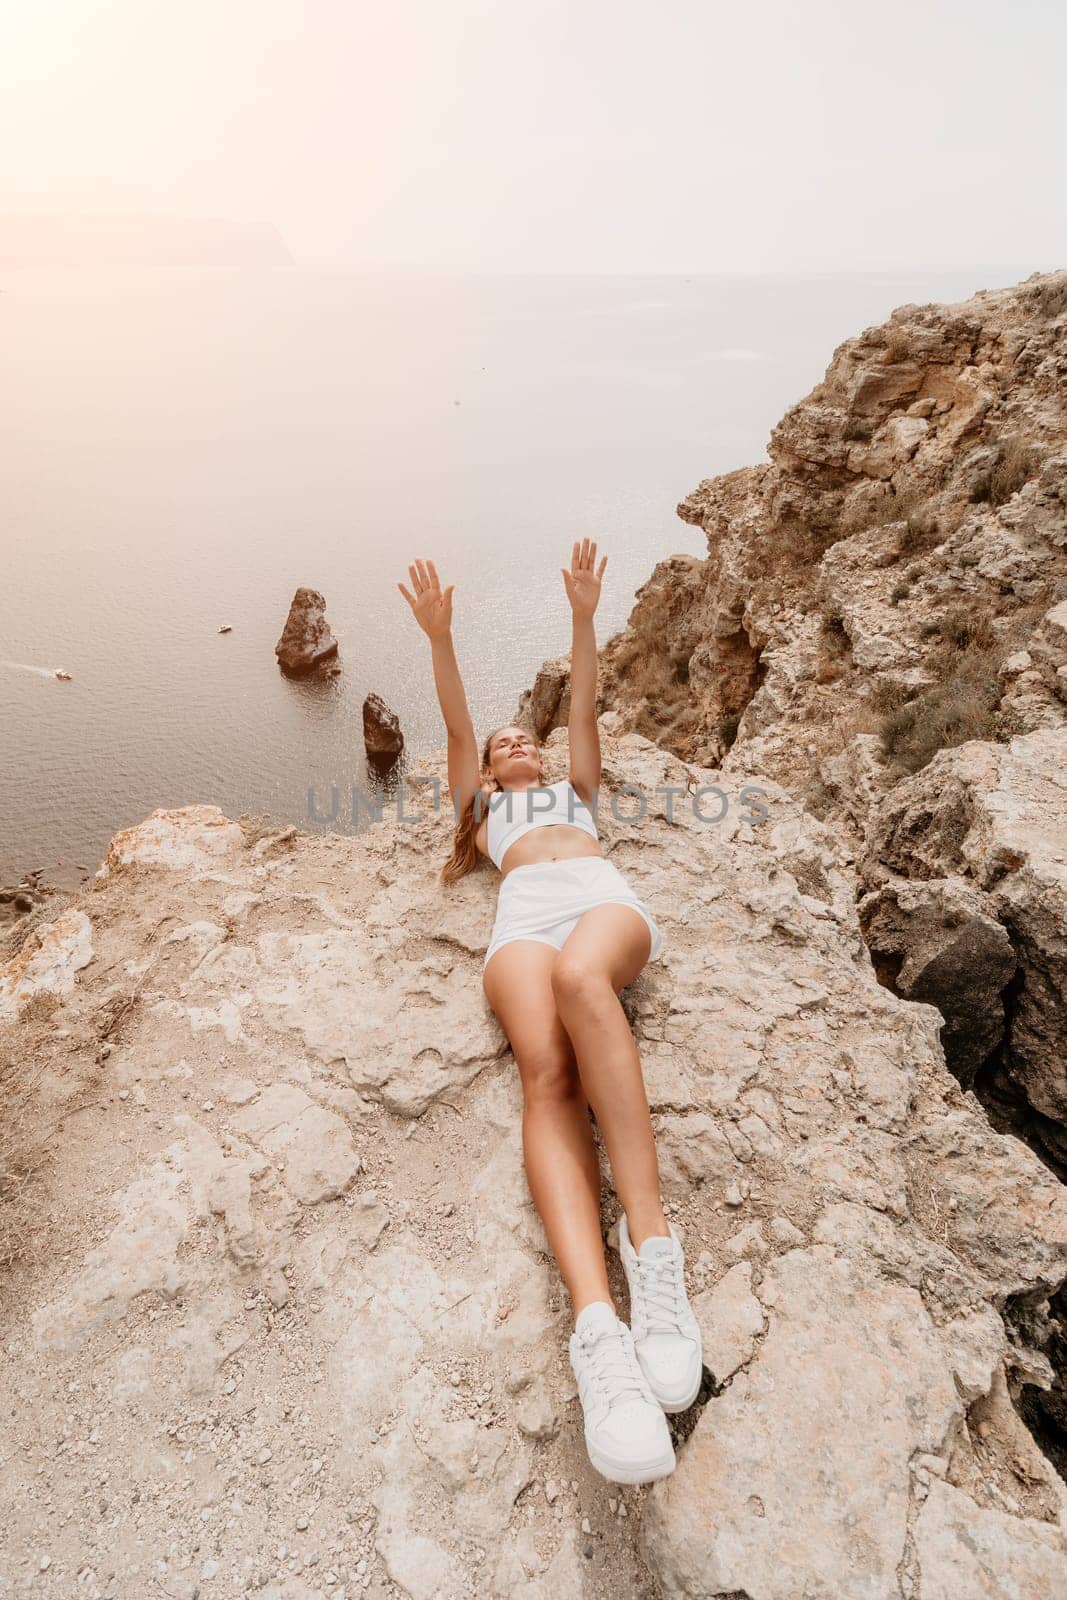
{"x": 544, "y": 900}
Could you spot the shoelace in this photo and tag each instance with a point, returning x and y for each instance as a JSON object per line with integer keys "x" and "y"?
{"x": 662, "y": 1289}
{"x": 614, "y": 1366}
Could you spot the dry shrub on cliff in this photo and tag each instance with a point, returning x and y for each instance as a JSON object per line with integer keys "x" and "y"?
{"x": 835, "y": 648}
{"x": 889, "y": 695}
{"x": 960, "y": 705}
{"x": 728, "y": 726}
{"x": 22, "y": 1149}
{"x": 892, "y": 507}
{"x": 922, "y": 532}
{"x": 1016, "y": 461}
{"x": 961, "y": 629}
{"x": 792, "y": 545}
{"x": 833, "y": 635}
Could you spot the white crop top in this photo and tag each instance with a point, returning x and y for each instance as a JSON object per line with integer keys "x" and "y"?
{"x": 513, "y": 812}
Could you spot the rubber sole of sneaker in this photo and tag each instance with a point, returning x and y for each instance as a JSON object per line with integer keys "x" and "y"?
{"x": 615, "y": 1472}
{"x": 673, "y": 1405}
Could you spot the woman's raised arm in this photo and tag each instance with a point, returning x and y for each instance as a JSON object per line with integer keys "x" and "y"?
{"x": 582, "y": 584}
{"x": 432, "y": 610}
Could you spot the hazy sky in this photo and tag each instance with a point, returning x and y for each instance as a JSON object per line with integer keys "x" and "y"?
{"x": 584, "y": 135}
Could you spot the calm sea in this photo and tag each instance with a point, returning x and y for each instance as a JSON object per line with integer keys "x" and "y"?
{"x": 182, "y": 449}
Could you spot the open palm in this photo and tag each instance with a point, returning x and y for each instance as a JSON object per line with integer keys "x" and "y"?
{"x": 431, "y": 607}
{"x": 582, "y": 582}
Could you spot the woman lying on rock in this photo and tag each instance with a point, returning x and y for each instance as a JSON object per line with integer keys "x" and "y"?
{"x": 570, "y": 934}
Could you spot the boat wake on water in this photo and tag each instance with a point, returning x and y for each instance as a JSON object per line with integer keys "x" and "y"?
{"x": 42, "y": 672}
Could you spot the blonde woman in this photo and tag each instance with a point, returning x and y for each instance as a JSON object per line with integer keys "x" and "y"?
{"x": 570, "y": 934}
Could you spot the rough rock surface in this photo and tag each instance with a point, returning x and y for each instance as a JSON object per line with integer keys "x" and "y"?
{"x": 294, "y": 1330}
{"x": 48, "y": 963}
{"x": 306, "y": 640}
{"x": 939, "y": 941}
{"x": 993, "y": 818}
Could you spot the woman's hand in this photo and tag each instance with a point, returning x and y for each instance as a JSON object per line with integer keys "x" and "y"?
{"x": 582, "y": 582}
{"x": 431, "y": 608}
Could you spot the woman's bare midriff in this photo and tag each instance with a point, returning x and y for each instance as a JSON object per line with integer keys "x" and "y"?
{"x": 552, "y": 841}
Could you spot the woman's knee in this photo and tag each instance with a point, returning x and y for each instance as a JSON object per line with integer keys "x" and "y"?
{"x": 577, "y": 981}
{"x": 549, "y": 1075}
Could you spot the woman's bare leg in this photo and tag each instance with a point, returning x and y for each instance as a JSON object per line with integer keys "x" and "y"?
{"x": 606, "y": 950}
{"x": 562, "y": 1169}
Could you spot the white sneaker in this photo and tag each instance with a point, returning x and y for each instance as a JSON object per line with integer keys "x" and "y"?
{"x": 626, "y": 1433}
{"x": 666, "y": 1333}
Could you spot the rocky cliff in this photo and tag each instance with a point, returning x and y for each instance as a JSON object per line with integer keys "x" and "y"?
{"x": 880, "y": 625}
{"x": 891, "y": 582}
{"x": 280, "y": 1317}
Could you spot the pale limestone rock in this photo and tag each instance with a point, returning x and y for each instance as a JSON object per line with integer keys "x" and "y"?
{"x": 139, "y": 1256}
{"x": 854, "y": 1379}
{"x": 220, "y": 1184}
{"x": 477, "y": 1471}
{"x": 289, "y": 1589}
{"x": 974, "y": 1347}
{"x": 693, "y": 1150}
{"x": 191, "y": 839}
{"x": 200, "y": 936}
{"x": 892, "y": 445}
{"x": 783, "y": 1231}
{"x": 239, "y": 1091}
{"x": 537, "y": 1413}
{"x": 731, "y": 1320}
{"x": 336, "y": 990}
{"x": 1048, "y": 650}
{"x": 314, "y": 1146}
{"x": 48, "y": 963}
{"x": 965, "y": 1550}
{"x": 368, "y": 1219}
{"x": 522, "y": 1570}
{"x": 748, "y": 1241}
{"x": 1004, "y": 1220}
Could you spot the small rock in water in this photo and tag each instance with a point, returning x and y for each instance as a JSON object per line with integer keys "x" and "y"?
{"x": 382, "y": 738}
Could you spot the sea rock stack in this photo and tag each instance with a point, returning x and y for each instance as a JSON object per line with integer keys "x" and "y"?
{"x": 306, "y": 638}
{"x": 382, "y": 737}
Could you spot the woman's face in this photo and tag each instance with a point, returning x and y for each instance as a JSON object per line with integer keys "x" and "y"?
{"x": 515, "y": 757}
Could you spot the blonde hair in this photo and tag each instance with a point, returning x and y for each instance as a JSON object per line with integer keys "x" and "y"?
{"x": 464, "y": 857}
